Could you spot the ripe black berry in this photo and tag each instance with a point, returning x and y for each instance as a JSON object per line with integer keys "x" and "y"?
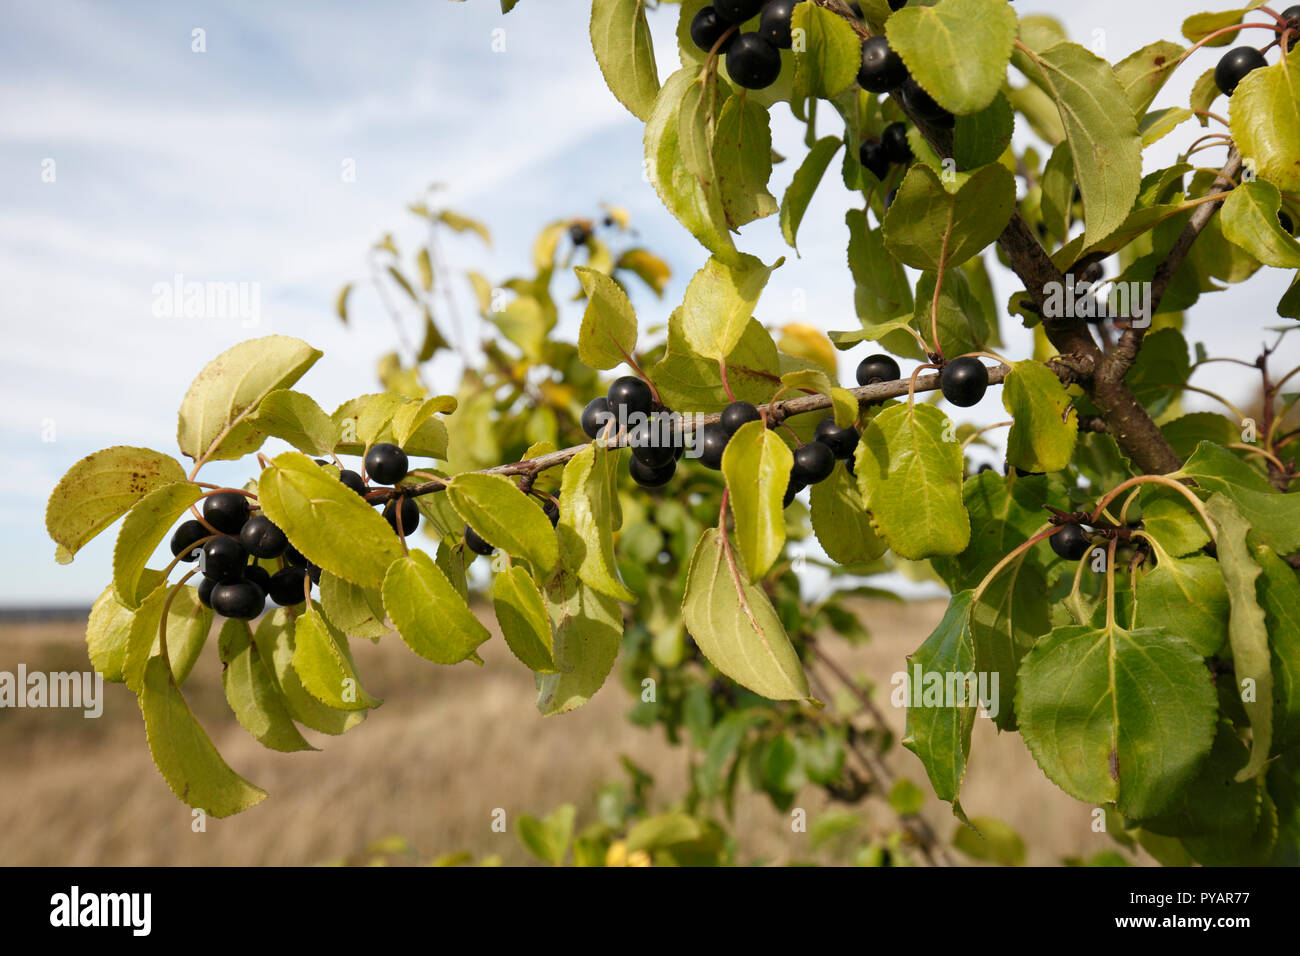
{"x": 792, "y": 489}
{"x": 226, "y": 511}
{"x": 595, "y": 416}
{"x": 651, "y": 443}
{"x": 813, "y": 462}
{"x": 1234, "y": 66}
{"x": 258, "y": 575}
{"x": 841, "y": 441}
{"x": 629, "y": 395}
{"x": 313, "y": 572}
{"x": 551, "y": 508}
{"x": 579, "y": 234}
{"x": 386, "y": 463}
{"x": 1284, "y": 221}
{"x": 882, "y": 69}
{"x": 707, "y": 28}
{"x": 774, "y": 25}
{"x": 1292, "y": 17}
{"x": 918, "y": 101}
{"x": 183, "y": 539}
{"x": 410, "y": 515}
{"x": 871, "y": 154}
{"x": 353, "y": 481}
{"x": 894, "y": 139}
{"x": 753, "y": 62}
{"x": 261, "y": 538}
{"x": 737, "y": 414}
{"x": 242, "y": 600}
{"x": 964, "y": 381}
{"x": 713, "y": 440}
{"x": 648, "y": 477}
{"x": 1071, "y": 542}
{"x": 293, "y": 556}
{"x": 737, "y": 11}
{"x": 1093, "y": 272}
{"x": 224, "y": 559}
{"x": 205, "y": 591}
{"x": 897, "y": 4}
{"x": 288, "y": 586}
{"x": 890, "y": 197}
{"x": 877, "y": 368}
{"x": 475, "y": 543}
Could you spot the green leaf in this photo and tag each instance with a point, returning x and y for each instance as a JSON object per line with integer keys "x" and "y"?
{"x": 625, "y": 52}
{"x": 107, "y": 631}
{"x": 829, "y": 56}
{"x": 275, "y": 645}
{"x": 99, "y": 489}
{"x": 212, "y": 415}
{"x": 719, "y": 304}
{"x": 1100, "y": 127}
{"x": 1273, "y": 517}
{"x": 143, "y": 530}
{"x": 588, "y": 629}
{"x": 505, "y": 517}
{"x": 689, "y": 382}
{"x": 1143, "y": 73}
{"x": 939, "y": 726}
{"x": 1004, "y": 513}
{"x": 1006, "y": 621}
{"x": 1187, "y": 431}
{"x": 548, "y": 839}
{"x": 756, "y": 464}
{"x": 924, "y": 213}
{"x": 958, "y": 50}
{"x": 458, "y": 223}
{"x": 251, "y": 693}
{"x": 323, "y": 664}
{"x": 806, "y": 179}
{"x": 742, "y": 160}
{"x": 297, "y": 419}
{"x": 354, "y": 610}
{"x": 1200, "y": 25}
{"x": 980, "y": 138}
{"x": 990, "y": 840}
{"x": 1247, "y": 629}
{"x": 589, "y": 516}
{"x": 189, "y": 622}
{"x": 962, "y": 325}
{"x": 735, "y": 625}
{"x": 1279, "y": 595}
{"x": 881, "y": 290}
{"x": 328, "y": 522}
{"x": 523, "y": 322}
{"x": 647, "y": 267}
{"x": 909, "y": 470}
{"x": 1187, "y": 598}
{"x": 521, "y": 614}
{"x": 1116, "y": 716}
{"x": 1249, "y": 220}
{"x": 184, "y": 753}
{"x": 840, "y": 520}
{"x": 429, "y": 613}
{"x": 695, "y": 205}
{"x": 1044, "y": 428}
{"x": 608, "y": 334}
{"x": 666, "y": 829}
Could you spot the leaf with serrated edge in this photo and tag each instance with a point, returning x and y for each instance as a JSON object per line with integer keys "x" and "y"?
{"x": 689, "y": 382}
{"x": 756, "y": 464}
{"x": 588, "y": 629}
{"x": 504, "y": 517}
{"x": 296, "y": 418}
{"x": 742, "y": 161}
{"x": 587, "y": 523}
{"x": 1279, "y": 596}
{"x": 1006, "y": 621}
{"x": 957, "y": 50}
{"x": 521, "y": 615}
{"x": 354, "y": 610}
{"x": 252, "y": 695}
{"x": 608, "y": 334}
{"x": 735, "y": 625}
{"x": 719, "y": 303}
{"x": 924, "y": 212}
{"x": 1264, "y": 117}
{"x": 840, "y": 520}
{"x": 1044, "y": 427}
{"x": 1143, "y": 73}
{"x": 429, "y": 613}
{"x": 1249, "y": 220}
{"x": 625, "y": 53}
{"x": 274, "y": 640}
{"x": 321, "y": 661}
{"x": 806, "y": 179}
{"x": 143, "y": 530}
{"x": 184, "y": 753}
{"x": 1187, "y": 597}
{"x": 99, "y": 489}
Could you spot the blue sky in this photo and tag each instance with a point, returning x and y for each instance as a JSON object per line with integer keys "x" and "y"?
{"x": 226, "y": 166}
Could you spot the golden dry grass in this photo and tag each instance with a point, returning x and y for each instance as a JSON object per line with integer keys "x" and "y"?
{"x": 449, "y": 746}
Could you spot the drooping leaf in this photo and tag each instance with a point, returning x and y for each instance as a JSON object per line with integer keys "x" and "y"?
{"x": 1273, "y": 517}
{"x": 646, "y": 266}
{"x": 980, "y": 138}
{"x": 354, "y": 610}
{"x": 881, "y": 290}
{"x": 958, "y": 50}
{"x": 1044, "y": 427}
{"x": 251, "y": 693}
{"x": 587, "y": 627}
{"x": 275, "y": 645}
{"x": 504, "y": 517}
{"x": 625, "y": 52}
{"x": 429, "y": 613}
{"x": 840, "y": 520}
{"x": 589, "y": 516}
{"x": 323, "y": 664}
{"x": 829, "y": 56}
{"x": 756, "y": 464}
{"x": 1006, "y": 621}
{"x": 143, "y": 530}
{"x": 742, "y": 161}
{"x": 806, "y": 179}
{"x": 522, "y": 616}
{"x": 719, "y": 303}
{"x": 1249, "y": 220}
{"x": 608, "y": 334}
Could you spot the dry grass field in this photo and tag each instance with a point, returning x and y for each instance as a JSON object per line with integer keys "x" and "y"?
{"x": 448, "y": 747}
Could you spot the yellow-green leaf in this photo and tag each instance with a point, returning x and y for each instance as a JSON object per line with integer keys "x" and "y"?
{"x": 522, "y": 617}
{"x": 608, "y": 334}
{"x": 429, "y": 613}
{"x": 143, "y": 530}
{"x": 322, "y": 663}
{"x": 756, "y": 464}
{"x": 1044, "y": 426}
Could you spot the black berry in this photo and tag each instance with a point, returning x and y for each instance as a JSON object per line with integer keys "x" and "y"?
{"x": 551, "y": 508}
{"x": 226, "y": 511}
{"x": 792, "y": 489}
{"x": 877, "y": 368}
{"x": 409, "y": 512}
{"x": 595, "y": 416}
{"x": 882, "y": 69}
{"x": 897, "y": 4}
{"x": 737, "y": 414}
{"x": 627, "y": 396}
{"x": 737, "y": 11}
{"x": 224, "y": 559}
{"x": 707, "y": 29}
{"x": 872, "y": 156}
{"x": 386, "y": 463}
{"x": 753, "y": 62}
{"x": 1071, "y": 542}
{"x": 1292, "y": 17}
{"x": 288, "y": 586}
{"x": 353, "y": 481}
{"x": 651, "y": 443}
{"x": 183, "y": 539}
{"x": 964, "y": 381}
{"x": 894, "y": 139}
{"x": 774, "y": 24}
{"x": 579, "y": 234}
{"x": 258, "y": 575}
{"x": 1093, "y": 272}
{"x": 261, "y": 538}
{"x": 648, "y": 477}
{"x": 918, "y": 101}
{"x": 242, "y": 600}
{"x": 841, "y": 441}
{"x": 813, "y": 462}
{"x": 313, "y": 572}
{"x": 712, "y": 440}
{"x": 1234, "y": 66}
{"x": 475, "y": 543}
{"x": 1284, "y": 221}
{"x": 293, "y": 556}
{"x": 205, "y": 591}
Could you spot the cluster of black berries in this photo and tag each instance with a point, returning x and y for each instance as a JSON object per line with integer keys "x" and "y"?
{"x": 883, "y": 71}
{"x": 878, "y": 155}
{"x": 654, "y": 437}
{"x": 753, "y": 59}
{"x": 1237, "y": 62}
